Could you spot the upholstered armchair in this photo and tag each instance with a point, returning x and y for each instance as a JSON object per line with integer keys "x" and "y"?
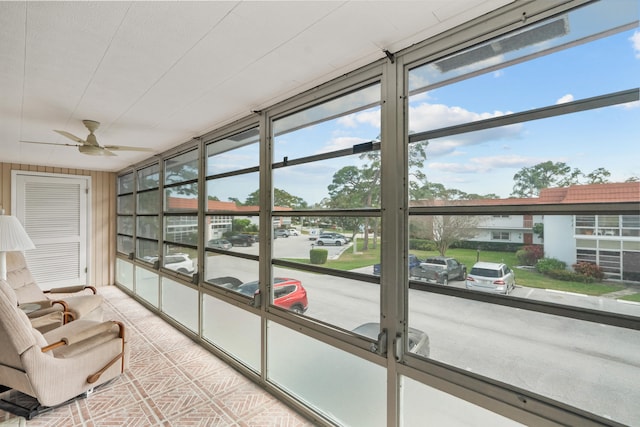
{"x": 43, "y": 307}
{"x": 59, "y": 365}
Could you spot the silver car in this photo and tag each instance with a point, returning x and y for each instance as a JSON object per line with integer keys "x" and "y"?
{"x": 331, "y": 239}
{"x": 219, "y": 244}
{"x": 491, "y": 277}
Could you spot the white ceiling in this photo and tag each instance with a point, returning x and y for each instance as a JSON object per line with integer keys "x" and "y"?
{"x": 156, "y": 74}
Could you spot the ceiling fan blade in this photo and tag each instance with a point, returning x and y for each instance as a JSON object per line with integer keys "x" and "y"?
{"x": 52, "y": 143}
{"x": 93, "y": 150}
{"x": 126, "y": 148}
{"x": 70, "y": 136}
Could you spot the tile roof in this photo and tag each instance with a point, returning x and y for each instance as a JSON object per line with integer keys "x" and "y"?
{"x": 591, "y": 193}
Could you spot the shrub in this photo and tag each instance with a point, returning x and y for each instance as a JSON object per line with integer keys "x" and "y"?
{"x": 422, "y": 245}
{"x": 589, "y": 269}
{"x": 486, "y": 246}
{"x": 529, "y": 255}
{"x": 545, "y": 265}
{"x": 569, "y": 276}
{"x": 318, "y": 256}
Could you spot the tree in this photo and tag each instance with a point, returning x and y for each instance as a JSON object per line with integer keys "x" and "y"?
{"x": 434, "y": 190}
{"x": 598, "y": 176}
{"x": 182, "y": 169}
{"x": 448, "y": 229}
{"x": 353, "y": 187}
{"x": 280, "y": 198}
{"x": 529, "y": 181}
{"x": 240, "y": 225}
{"x": 538, "y": 229}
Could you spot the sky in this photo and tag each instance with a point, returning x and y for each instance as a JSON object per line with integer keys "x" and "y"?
{"x": 485, "y": 162}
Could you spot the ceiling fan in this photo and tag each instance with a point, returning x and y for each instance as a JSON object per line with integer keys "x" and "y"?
{"x": 90, "y": 145}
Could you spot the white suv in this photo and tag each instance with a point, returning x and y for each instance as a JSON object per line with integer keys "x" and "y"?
{"x": 330, "y": 239}
{"x": 491, "y": 277}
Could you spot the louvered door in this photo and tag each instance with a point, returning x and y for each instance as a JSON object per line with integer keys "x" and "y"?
{"x": 53, "y": 210}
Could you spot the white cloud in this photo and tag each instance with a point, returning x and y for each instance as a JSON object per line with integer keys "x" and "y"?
{"x": 341, "y": 143}
{"x": 371, "y": 118}
{"x": 635, "y": 42}
{"x": 630, "y": 105}
{"x": 485, "y": 164}
{"x": 433, "y": 116}
{"x": 498, "y": 73}
{"x": 564, "y": 99}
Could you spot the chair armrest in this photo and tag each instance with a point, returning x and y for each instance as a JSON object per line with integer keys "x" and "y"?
{"x": 85, "y": 334}
{"x": 71, "y": 289}
{"x": 35, "y": 306}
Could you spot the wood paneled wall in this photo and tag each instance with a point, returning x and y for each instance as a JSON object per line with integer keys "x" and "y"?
{"x": 103, "y": 215}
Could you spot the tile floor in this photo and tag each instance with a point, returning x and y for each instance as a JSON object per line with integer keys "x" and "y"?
{"x": 171, "y": 381}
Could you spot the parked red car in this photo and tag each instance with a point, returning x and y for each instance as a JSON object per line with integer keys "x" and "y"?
{"x": 287, "y": 293}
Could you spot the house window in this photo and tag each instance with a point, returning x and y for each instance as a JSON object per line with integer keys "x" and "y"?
{"x": 631, "y": 225}
{"x": 500, "y": 235}
{"x": 585, "y": 224}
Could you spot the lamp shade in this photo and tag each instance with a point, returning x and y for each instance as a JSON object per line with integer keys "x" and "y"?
{"x": 13, "y": 237}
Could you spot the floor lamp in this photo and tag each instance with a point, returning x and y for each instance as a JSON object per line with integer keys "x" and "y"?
{"x": 13, "y": 237}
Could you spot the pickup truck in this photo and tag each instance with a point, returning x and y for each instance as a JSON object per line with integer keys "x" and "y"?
{"x": 439, "y": 269}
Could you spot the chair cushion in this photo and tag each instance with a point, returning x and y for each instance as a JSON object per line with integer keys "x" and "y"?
{"x": 21, "y": 280}
{"x": 16, "y": 328}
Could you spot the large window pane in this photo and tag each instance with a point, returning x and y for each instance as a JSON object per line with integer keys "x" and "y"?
{"x": 346, "y": 303}
{"x": 181, "y": 168}
{"x": 181, "y": 198}
{"x": 595, "y": 61}
{"x": 350, "y": 239}
{"x": 180, "y": 259}
{"x": 181, "y": 229}
{"x": 148, "y": 286}
{"x": 424, "y": 405}
{"x": 148, "y": 226}
{"x": 342, "y": 106}
{"x": 583, "y": 364}
{"x": 125, "y": 225}
{"x": 149, "y": 177}
{"x": 237, "y": 152}
{"x": 125, "y": 204}
{"x": 236, "y": 233}
{"x": 125, "y": 183}
{"x": 337, "y": 183}
{"x": 124, "y": 244}
{"x": 124, "y": 273}
{"x": 148, "y": 202}
{"x": 234, "y": 193}
{"x": 229, "y": 271}
{"x": 327, "y": 378}
{"x": 223, "y": 323}
{"x": 147, "y": 250}
{"x": 181, "y": 303}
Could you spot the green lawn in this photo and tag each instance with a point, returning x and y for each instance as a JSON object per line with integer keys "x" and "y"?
{"x": 634, "y": 298}
{"x": 529, "y": 278}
